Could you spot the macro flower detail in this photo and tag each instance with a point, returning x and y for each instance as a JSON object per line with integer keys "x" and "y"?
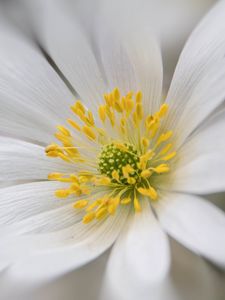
{"x": 120, "y": 164}
{"x": 131, "y": 164}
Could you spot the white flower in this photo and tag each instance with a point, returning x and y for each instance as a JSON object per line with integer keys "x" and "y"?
{"x": 168, "y": 156}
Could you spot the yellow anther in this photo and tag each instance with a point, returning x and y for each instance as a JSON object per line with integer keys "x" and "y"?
{"x": 80, "y": 204}
{"x": 149, "y": 120}
{"x": 164, "y": 137}
{"x": 80, "y": 106}
{"x": 84, "y": 179}
{"x": 85, "y": 190}
{"x": 163, "y": 168}
{"x": 165, "y": 149}
{"x": 126, "y": 200}
{"x": 122, "y": 121}
{"x": 52, "y": 154}
{"x": 89, "y": 133}
{"x": 74, "y": 124}
{"x": 137, "y": 205}
{"x": 75, "y": 186}
{"x": 131, "y": 180}
{"x": 64, "y": 130}
{"x": 118, "y": 107}
{"x": 116, "y": 94}
{"x": 90, "y": 118}
{"x": 112, "y": 99}
{"x": 139, "y": 97}
{"x": 93, "y": 205}
{"x": 127, "y": 170}
{"x": 130, "y": 94}
{"x": 145, "y": 142}
{"x": 62, "y": 193}
{"x": 54, "y": 176}
{"x": 108, "y": 100}
{"x": 115, "y": 175}
{"x": 64, "y": 157}
{"x": 163, "y": 110}
{"x": 88, "y": 217}
{"x": 72, "y": 151}
{"x": 121, "y": 146}
{"x": 128, "y": 105}
{"x": 102, "y": 181}
{"x": 146, "y": 157}
{"x": 102, "y": 113}
{"x": 154, "y": 130}
{"x": 113, "y": 204}
{"x": 135, "y": 119}
{"x": 139, "y": 111}
{"x": 101, "y": 213}
{"x": 62, "y": 138}
{"x": 51, "y": 147}
{"x": 74, "y": 178}
{"x": 149, "y": 192}
{"x": 111, "y": 116}
{"x": 169, "y": 156}
{"x": 146, "y": 173}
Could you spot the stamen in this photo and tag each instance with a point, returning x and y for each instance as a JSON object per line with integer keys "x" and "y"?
{"x": 121, "y": 170}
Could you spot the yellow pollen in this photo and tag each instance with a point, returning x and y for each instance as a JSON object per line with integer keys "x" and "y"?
{"x": 80, "y": 204}
{"x": 115, "y": 163}
{"x": 88, "y": 217}
{"x": 89, "y": 132}
{"x": 137, "y": 205}
{"x": 74, "y": 124}
{"x": 62, "y": 193}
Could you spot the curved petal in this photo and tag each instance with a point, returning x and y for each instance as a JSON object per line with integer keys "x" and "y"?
{"x": 195, "y": 223}
{"x": 21, "y": 161}
{"x": 130, "y": 54}
{"x": 198, "y": 84}
{"x": 204, "y": 174}
{"x": 36, "y": 199}
{"x": 33, "y": 98}
{"x": 44, "y": 256}
{"x": 140, "y": 258}
{"x": 69, "y": 47}
{"x": 74, "y": 283}
{"x": 200, "y": 167}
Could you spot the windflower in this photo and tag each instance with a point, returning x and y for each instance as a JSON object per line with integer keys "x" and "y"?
{"x": 120, "y": 164}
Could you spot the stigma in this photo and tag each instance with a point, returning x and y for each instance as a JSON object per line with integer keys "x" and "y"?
{"x": 116, "y": 154}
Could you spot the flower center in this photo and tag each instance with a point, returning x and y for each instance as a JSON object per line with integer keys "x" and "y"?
{"x": 119, "y": 162}
{"x": 114, "y": 164}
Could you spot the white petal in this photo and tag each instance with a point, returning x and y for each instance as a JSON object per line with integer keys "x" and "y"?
{"x": 140, "y": 258}
{"x": 208, "y": 139}
{"x": 25, "y": 201}
{"x": 33, "y": 97}
{"x": 204, "y": 174}
{"x": 44, "y": 256}
{"x": 198, "y": 84}
{"x": 131, "y": 55}
{"x": 195, "y": 223}
{"x": 21, "y": 161}
{"x": 201, "y": 164}
{"x": 74, "y": 283}
{"x": 68, "y": 45}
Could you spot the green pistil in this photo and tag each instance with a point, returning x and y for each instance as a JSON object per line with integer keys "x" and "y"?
{"x": 112, "y": 158}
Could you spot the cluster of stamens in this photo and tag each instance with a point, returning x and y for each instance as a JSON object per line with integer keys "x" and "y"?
{"x": 112, "y": 171}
